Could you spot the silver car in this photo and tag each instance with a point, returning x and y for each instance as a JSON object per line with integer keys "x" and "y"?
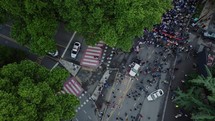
{"x": 154, "y": 95}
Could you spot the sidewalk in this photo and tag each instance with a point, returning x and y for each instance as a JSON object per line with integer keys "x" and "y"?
{"x": 100, "y": 86}
{"x": 71, "y": 67}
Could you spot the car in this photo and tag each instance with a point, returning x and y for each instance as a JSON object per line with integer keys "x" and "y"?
{"x": 134, "y": 70}
{"x": 178, "y": 115}
{"x": 209, "y": 35}
{"x": 156, "y": 94}
{"x": 54, "y": 53}
{"x": 75, "y": 49}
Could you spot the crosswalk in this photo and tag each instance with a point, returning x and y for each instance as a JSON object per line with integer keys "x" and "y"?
{"x": 92, "y": 56}
{"x": 72, "y": 87}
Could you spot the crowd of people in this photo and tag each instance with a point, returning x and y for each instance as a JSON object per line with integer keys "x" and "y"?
{"x": 172, "y": 32}
{"x": 170, "y": 37}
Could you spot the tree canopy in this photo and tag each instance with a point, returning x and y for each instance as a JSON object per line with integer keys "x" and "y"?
{"x": 199, "y": 98}
{"x": 9, "y": 55}
{"x": 29, "y": 92}
{"x": 116, "y": 23}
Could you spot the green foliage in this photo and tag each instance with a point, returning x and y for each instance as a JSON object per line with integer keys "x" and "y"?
{"x": 34, "y": 23}
{"x": 29, "y": 92}
{"x": 199, "y": 98}
{"x": 9, "y": 55}
{"x": 116, "y": 23}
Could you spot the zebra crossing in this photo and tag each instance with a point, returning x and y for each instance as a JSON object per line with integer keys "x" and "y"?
{"x": 92, "y": 56}
{"x": 85, "y": 101}
{"x": 72, "y": 87}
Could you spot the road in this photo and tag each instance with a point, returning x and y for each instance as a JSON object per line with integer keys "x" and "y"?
{"x": 65, "y": 41}
{"x": 127, "y": 99}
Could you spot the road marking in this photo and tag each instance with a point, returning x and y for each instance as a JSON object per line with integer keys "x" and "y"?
{"x": 67, "y": 46}
{"x": 119, "y": 103}
{"x": 8, "y": 38}
{"x": 60, "y": 45}
{"x": 76, "y": 119}
{"x": 84, "y": 111}
{"x": 135, "y": 104}
{"x": 8, "y": 25}
{"x": 55, "y": 66}
{"x": 167, "y": 96}
{"x": 55, "y": 59}
{"x": 151, "y": 54}
{"x": 89, "y": 117}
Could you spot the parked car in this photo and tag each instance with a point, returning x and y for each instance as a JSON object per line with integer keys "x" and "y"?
{"x": 54, "y": 54}
{"x": 75, "y": 49}
{"x": 154, "y": 95}
{"x": 134, "y": 70}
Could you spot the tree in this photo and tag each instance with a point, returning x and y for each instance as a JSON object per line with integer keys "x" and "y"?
{"x": 116, "y": 23}
{"x": 199, "y": 98}
{"x": 30, "y": 92}
{"x": 9, "y": 55}
{"x": 34, "y": 23}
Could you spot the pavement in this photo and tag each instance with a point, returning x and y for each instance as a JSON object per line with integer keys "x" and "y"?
{"x": 100, "y": 86}
{"x": 71, "y": 67}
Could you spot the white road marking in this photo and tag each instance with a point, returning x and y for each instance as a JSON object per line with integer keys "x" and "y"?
{"x": 67, "y": 46}
{"x": 84, "y": 111}
{"x": 76, "y": 119}
{"x": 89, "y": 117}
{"x": 135, "y": 104}
{"x": 55, "y": 66}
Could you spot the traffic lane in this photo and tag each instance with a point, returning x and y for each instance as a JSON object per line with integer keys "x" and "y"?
{"x": 67, "y": 55}
{"x": 184, "y": 68}
{"x": 49, "y": 62}
{"x": 5, "y": 30}
{"x": 60, "y": 51}
{"x": 120, "y": 103}
{"x": 129, "y": 106}
{"x": 86, "y": 113}
{"x": 10, "y": 43}
{"x": 62, "y": 37}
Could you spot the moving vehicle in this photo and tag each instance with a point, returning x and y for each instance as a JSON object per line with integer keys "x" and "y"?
{"x": 54, "y": 53}
{"x": 134, "y": 70}
{"x": 209, "y": 35}
{"x": 75, "y": 49}
{"x": 154, "y": 95}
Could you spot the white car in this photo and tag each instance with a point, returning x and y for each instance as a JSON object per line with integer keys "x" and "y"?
{"x": 134, "y": 70}
{"x": 54, "y": 54}
{"x": 75, "y": 49}
{"x": 154, "y": 95}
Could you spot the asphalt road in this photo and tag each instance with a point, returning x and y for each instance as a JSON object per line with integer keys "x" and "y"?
{"x": 185, "y": 67}
{"x": 63, "y": 38}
